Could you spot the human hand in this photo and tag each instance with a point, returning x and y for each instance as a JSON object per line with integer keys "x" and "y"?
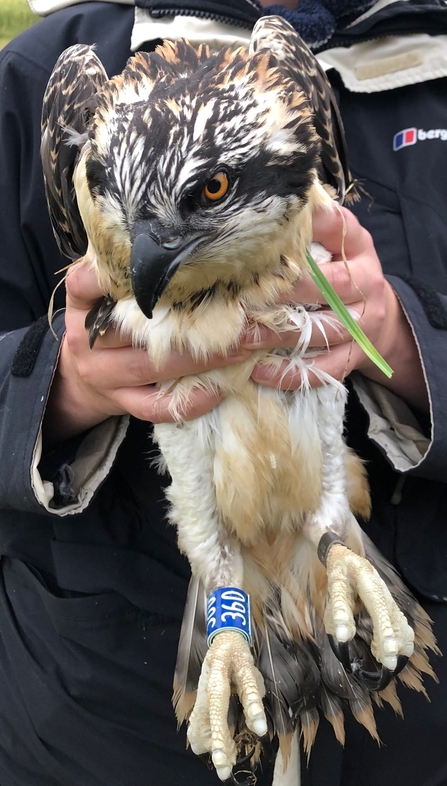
{"x": 361, "y": 285}
{"x": 113, "y": 378}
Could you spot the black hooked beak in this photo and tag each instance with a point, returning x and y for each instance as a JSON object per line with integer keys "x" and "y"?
{"x": 153, "y": 263}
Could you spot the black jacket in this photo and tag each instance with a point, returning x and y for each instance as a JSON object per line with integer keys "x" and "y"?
{"x": 108, "y": 584}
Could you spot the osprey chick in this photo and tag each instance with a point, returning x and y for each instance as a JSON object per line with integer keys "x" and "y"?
{"x": 189, "y": 182}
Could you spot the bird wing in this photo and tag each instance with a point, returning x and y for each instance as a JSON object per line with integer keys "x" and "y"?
{"x": 278, "y": 38}
{"x": 68, "y": 105}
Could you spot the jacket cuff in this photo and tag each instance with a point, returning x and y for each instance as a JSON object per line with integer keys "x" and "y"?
{"x": 393, "y": 426}
{"x": 26, "y": 483}
{"x": 79, "y": 474}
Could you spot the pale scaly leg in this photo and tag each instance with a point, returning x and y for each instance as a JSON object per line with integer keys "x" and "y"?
{"x": 350, "y": 576}
{"x": 188, "y": 450}
{"x": 228, "y": 665}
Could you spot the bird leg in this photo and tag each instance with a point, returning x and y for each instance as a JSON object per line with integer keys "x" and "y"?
{"x": 216, "y": 560}
{"x": 351, "y": 578}
{"x": 228, "y": 666}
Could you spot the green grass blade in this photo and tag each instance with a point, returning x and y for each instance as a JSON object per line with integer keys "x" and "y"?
{"x": 339, "y": 308}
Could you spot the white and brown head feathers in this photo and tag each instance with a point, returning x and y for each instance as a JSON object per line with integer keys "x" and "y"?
{"x": 150, "y": 146}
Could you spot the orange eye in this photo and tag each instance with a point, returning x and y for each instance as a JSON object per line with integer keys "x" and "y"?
{"x": 217, "y": 187}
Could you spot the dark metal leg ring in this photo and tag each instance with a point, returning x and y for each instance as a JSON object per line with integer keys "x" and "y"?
{"x": 326, "y": 541}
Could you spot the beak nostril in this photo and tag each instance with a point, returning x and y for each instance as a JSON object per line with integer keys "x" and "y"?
{"x": 171, "y": 245}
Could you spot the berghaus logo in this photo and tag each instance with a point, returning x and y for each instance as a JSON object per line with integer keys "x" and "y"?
{"x": 409, "y": 136}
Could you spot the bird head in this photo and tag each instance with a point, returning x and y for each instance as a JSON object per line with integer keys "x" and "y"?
{"x": 195, "y": 172}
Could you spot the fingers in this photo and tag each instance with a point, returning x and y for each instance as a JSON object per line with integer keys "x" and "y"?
{"x": 354, "y": 260}
{"x": 351, "y": 279}
{"x": 115, "y": 378}
{"x": 338, "y": 228}
{"x": 126, "y": 366}
{"x": 359, "y": 283}
{"x": 338, "y": 362}
{"x": 326, "y": 333}
{"x": 148, "y": 403}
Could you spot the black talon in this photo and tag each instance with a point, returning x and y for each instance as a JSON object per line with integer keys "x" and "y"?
{"x": 206, "y": 759}
{"x": 250, "y": 781}
{"x": 373, "y": 680}
{"x": 243, "y": 768}
{"x": 341, "y": 652}
{"x": 402, "y": 661}
{"x": 243, "y": 760}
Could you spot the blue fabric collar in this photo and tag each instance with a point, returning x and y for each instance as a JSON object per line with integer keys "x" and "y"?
{"x": 317, "y": 20}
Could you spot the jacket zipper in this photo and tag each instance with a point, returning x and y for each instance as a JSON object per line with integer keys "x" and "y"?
{"x": 158, "y": 13}
{"x": 347, "y": 41}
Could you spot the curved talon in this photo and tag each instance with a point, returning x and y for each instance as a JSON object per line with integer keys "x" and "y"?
{"x": 402, "y": 661}
{"x": 341, "y": 652}
{"x": 242, "y": 761}
{"x": 251, "y": 780}
{"x": 373, "y": 680}
{"x": 206, "y": 758}
{"x": 379, "y": 680}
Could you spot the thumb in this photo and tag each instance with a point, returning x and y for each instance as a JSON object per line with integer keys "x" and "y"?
{"x": 82, "y": 286}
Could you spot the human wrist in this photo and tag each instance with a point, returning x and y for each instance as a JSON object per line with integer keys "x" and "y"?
{"x": 397, "y": 344}
{"x": 71, "y": 407}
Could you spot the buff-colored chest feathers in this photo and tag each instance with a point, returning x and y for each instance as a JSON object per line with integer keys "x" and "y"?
{"x": 264, "y": 443}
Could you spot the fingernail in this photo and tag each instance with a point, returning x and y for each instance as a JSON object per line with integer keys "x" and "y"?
{"x": 354, "y": 313}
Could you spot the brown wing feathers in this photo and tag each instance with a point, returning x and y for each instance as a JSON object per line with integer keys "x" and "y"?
{"x": 275, "y": 36}
{"x": 67, "y": 108}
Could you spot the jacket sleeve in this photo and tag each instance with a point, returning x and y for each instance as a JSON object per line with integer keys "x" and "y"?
{"x": 28, "y": 349}
{"x": 409, "y": 444}
{"x": 61, "y": 482}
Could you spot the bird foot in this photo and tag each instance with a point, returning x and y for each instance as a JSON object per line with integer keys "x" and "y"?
{"x": 351, "y": 577}
{"x": 228, "y": 666}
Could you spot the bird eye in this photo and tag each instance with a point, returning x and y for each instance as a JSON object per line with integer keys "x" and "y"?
{"x": 217, "y": 187}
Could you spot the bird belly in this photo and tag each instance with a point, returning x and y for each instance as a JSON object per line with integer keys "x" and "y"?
{"x": 265, "y": 477}
{"x": 263, "y": 450}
